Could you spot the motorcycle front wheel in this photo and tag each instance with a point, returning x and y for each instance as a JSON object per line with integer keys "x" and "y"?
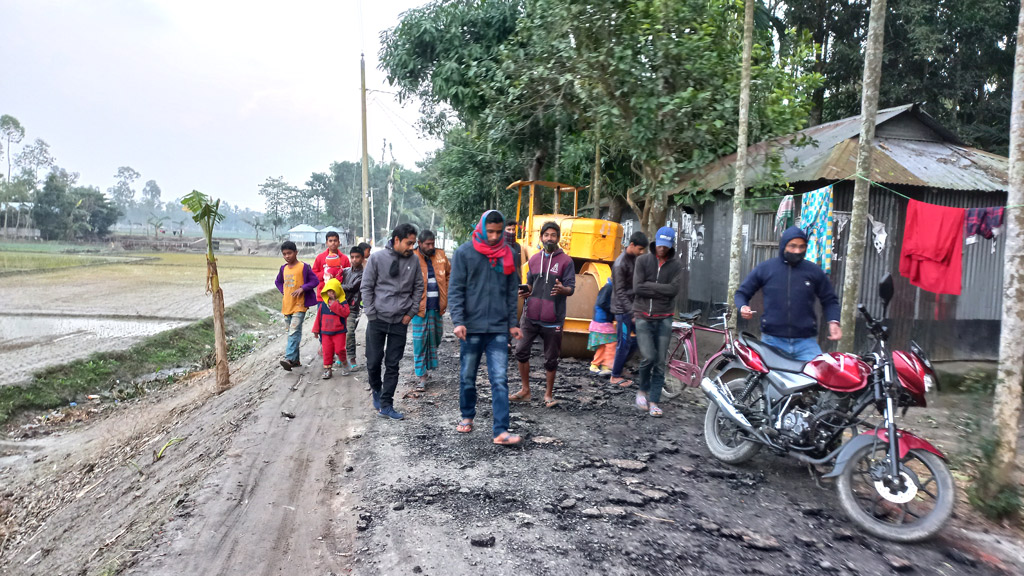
{"x": 725, "y": 439}
{"x": 912, "y": 514}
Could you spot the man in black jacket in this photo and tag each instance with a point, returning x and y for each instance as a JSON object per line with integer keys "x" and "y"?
{"x": 622, "y": 304}
{"x": 482, "y": 299}
{"x": 791, "y": 285}
{"x": 657, "y": 281}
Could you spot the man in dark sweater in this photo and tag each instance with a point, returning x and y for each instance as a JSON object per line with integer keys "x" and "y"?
{"x": 482, "y": 299}
{"x": 791, "y": 285}
{"x": 622, "y": 304}
{"x": 657, "y": 281}
{"x": 551, "y": 279}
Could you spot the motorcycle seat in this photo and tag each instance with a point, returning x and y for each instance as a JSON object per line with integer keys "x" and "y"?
{"x": 774, "y": 358}
{"x": 689, "y": 316}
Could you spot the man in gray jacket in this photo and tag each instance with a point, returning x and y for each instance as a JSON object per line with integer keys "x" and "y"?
{"x": 392, "y": 287}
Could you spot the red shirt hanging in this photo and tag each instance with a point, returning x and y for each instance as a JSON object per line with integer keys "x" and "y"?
{"x": 933, "y": 245}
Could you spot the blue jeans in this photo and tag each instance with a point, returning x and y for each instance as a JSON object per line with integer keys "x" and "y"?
{"x": 652, "y": 337}
{"x": 803, "y": 349}
{"x": 627, "y": 342}
{"x": 495, "y": 348}
{"x": 293, "y": 322}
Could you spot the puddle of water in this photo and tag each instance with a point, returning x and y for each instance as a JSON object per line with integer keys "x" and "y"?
{"x": 23, "y": 331}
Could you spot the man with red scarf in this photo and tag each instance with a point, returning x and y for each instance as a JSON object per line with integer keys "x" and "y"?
{"x": 482, "y": 300}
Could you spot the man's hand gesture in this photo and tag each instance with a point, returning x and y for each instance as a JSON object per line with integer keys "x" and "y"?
{"x": 560, "y": 290}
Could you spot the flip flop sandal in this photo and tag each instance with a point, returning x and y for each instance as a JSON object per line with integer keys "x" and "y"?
{"x": 506, "y": 439}
{"x": 655, "y": 412}
{"x": 550, "y": 403}
{"x": 420, "y": 386}
{"x": 641, "y": 402}
{"x": 624, "y": 383}
{"x": 519, "y": 397}
{"x": 464, "y": 427}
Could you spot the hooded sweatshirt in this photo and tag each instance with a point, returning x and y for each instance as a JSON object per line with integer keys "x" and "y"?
{"x": 656, "y": 285}
{"x": 388, "y": 298}
{"x": 789, "y": 293}
{"x": 546, "y": 268}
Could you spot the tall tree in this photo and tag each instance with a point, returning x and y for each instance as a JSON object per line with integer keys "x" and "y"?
{"x": 1007, "y": 403}
{"x": 739, "y": 192}
{"x": 13, "y": 132}
{"x": 35, "y": 157}
{"x": 122, "y": 192}
{"x": 206, "y": 212}
{"x": 151, "y": 195}
{"x": 862, "y": 186}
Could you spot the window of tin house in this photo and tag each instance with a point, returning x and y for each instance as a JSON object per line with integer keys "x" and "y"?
{"x": 764, "y": 243}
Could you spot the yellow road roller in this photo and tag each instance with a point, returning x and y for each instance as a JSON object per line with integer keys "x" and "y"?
{"x": 593, "y": 245}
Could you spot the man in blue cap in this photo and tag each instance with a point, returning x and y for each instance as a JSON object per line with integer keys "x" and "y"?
{"x": 657, "y": 281}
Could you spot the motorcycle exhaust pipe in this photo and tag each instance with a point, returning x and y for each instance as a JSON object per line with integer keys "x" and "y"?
{"x": 714, "y": 393}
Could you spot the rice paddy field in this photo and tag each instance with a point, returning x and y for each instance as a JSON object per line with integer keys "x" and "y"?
{"x": 57, "y": 306}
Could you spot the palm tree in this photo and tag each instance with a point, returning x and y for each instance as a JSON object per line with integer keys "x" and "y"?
{"x": 206, "y": 212}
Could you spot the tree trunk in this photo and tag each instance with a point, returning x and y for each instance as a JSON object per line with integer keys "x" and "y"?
{"x": 618, "y": 205}
{"x": 1011, "y": 345}
{"x": 595, "y": 188}
{"x": 861, "y": 186}
{"x": 739, "y": 191}
{"x": 219, "y": 337}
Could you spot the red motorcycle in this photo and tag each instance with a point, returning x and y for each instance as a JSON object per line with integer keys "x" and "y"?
{"x": 891, "y": 483}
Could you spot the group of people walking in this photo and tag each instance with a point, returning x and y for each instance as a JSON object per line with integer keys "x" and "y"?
{"x": 412, "y": 283}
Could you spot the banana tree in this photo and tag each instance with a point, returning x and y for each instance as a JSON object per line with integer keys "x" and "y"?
{"x": 206, "y": 212}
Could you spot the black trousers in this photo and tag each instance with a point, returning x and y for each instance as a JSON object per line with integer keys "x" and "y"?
{"x": 384, "y": 342}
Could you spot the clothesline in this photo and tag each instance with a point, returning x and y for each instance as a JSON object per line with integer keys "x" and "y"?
{"x": 873, "y": 183}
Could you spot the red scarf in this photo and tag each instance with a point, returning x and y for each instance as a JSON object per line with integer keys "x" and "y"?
{"x": 498, "y": 252}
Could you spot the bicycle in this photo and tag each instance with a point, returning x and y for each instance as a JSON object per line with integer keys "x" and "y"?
{"x": 683, "y": 369}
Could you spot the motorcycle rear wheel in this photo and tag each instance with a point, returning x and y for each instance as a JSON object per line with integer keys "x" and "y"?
{"x": 928, "y": 510}
{"x": 722, "y": 436}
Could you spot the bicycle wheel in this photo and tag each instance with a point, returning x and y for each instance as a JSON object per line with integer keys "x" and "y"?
{"x": 673, "y": 385}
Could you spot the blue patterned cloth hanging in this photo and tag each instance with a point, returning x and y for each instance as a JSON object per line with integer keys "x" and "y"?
{"x": 816, "y": 220}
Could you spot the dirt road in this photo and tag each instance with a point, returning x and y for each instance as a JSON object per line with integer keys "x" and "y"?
{"x": 598, "y": 488}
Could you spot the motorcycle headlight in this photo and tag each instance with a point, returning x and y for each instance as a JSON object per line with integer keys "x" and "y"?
{"x": 929, "y": 383}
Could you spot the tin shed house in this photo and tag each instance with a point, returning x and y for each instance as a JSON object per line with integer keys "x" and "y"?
{"x": 913, "y": 157}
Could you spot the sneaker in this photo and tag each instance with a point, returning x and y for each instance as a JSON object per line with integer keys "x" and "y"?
{"x": 594, "y": 369}
{"x": 353, "y": 367}
{"x": 605, "y": 372}
{"x": 344, "y": 370}
{"x": 375, "y": 398}
{"x": 390, "y": 412}
{"x": 327, "y": 374}
{"x": 286, "y": 364}
{"x": 337, "y": 363}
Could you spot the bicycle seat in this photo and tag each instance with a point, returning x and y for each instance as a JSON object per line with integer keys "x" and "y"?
{"x": 689, "y": 316}
{"x": 774, "y": 358}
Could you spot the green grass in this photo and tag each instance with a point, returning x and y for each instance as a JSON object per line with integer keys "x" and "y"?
{"x": 46, "y": 247}
{"x": 113, "y": 372}
{"x": 23, "y": 261}
{"x": 223, "y": 261}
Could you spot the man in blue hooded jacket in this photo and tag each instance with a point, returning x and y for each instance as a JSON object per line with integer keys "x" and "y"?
{"x": 790, "y": 285}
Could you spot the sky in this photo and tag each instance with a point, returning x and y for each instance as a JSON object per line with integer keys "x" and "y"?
{"x": 209, "y": 95}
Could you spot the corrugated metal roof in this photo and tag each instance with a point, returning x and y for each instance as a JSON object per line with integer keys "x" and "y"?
{"x": 829, "y": 152}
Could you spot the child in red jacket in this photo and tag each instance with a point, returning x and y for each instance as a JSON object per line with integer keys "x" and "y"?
{"x": 330, "y": 325}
